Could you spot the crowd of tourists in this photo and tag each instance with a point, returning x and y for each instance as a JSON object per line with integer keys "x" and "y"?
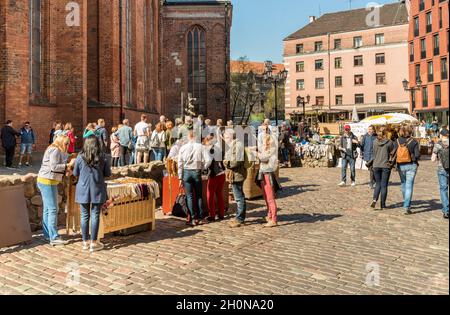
{"x": 201, "y": 148}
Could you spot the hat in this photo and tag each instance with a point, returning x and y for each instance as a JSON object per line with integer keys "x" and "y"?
{"x": 347, "y": 128}
{"x": 444, "y": 132}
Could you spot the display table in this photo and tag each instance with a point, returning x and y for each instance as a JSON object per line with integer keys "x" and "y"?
{"x": 134, "y": 206}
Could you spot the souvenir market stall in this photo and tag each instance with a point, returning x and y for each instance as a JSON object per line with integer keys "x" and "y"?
{"x": 132, "y": 203}
{"x": 317, "y": 154}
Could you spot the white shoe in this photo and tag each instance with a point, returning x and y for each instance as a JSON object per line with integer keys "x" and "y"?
{"x": 86, "y": 246}
{"x": 342, "y": 184}
{"x": 353, "y": 184}
{"x": 96, "y": 247}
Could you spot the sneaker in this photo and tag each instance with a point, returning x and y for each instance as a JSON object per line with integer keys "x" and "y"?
{"x": 235, "y": 224}
{"x": 190, "y": 223}
{"x": 27, "y": 164}
{"x": 353, "y": 184}
{"x": 373, "y": 204}
{"x": 58, "y": 242}
{"x": 271, "y": 224}
{"x": 407, "y": 212}
{"x": 85, "y": 246}
{"x": 267, "y": 219}
{"x": 446, "y": 216}
{"x": 96, "y": 247}
{"x": 342, "y": 184}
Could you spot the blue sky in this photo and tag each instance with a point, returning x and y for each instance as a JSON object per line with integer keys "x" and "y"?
{"x": 259, "y": 26}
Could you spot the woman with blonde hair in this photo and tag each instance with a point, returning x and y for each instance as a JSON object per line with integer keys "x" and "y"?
{"x": 266, "y": 179}
{"x": 115, "y": 148}
{"x": 54, "y": 167}
{"x": 158, "y": 142}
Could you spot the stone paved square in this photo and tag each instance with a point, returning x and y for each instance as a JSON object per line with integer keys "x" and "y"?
{"x": 329, "y": 242}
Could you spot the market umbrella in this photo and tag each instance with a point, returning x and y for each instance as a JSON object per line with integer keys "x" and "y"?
{"x": 391, "y": 119}
{"x": 355, "y": 117}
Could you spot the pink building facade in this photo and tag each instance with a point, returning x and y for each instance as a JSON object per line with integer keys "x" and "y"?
{"x": 341, "y": 62}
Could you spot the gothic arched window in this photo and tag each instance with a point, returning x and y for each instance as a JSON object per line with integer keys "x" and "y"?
{"x": 35, "y": 46}
{"x": 197, "y": 67}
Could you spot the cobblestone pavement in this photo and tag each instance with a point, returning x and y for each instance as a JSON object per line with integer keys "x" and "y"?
{"x": 329, "y": 242}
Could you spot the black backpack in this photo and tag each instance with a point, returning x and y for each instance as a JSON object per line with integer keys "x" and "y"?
{"x": 180, "y": 208}
{"x": 443, "y": 156}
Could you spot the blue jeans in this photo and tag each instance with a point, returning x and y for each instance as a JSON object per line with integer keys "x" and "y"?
{"x": 192, "y": 180}
{"x": 49, "y": 195}
{"x": 382, "y": 176}
{"x": 91, "y": 211}
{"x": 407, "y": 174}
{"x": 348, "y": 161}
{"x": 238, "y": 192}
{"x": 159, "y": 154}
{"x": 443, "y": 187}
{"x": 285, "y": 155}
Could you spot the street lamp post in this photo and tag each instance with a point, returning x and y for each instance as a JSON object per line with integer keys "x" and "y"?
{"x": 269, "y": 77}
{"x": 301, "y": 101}
{"x": 412, "y": 90}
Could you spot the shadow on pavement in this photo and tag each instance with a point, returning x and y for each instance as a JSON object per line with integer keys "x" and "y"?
{"x": 420, "y": 206}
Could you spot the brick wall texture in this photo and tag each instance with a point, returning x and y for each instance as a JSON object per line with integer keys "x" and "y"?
{"x": 84, "y": 70}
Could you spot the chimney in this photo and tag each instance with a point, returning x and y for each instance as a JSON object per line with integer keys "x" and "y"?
{"x": 312, "y": 18}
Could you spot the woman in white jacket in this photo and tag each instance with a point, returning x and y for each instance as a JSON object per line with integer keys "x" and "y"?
{"x": 266, "y": 180}
{"x": 158, "y": 143}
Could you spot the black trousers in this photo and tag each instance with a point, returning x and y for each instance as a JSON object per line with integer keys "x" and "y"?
{"x": 382, "y": 176}
{"x": 9, "y": 155}
{"x": 123, "y": 156}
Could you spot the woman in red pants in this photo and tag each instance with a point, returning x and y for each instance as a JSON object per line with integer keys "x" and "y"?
{"x": 216, "y": 179}
{"x": 266, "y": 179}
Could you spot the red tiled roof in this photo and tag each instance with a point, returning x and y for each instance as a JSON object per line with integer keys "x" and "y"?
{"x": 256, "y": 67}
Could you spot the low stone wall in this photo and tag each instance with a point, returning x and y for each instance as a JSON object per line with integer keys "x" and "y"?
{"x": 153, "y": 170}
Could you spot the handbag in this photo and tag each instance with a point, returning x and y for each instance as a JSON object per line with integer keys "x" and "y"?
{"x": 180, "y": 208}
{"x": 369, "y": 164}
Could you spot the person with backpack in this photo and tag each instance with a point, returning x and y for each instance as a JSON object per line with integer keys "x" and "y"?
{"x": 407, "y": 153}
{"x": 348, "y": 147}
{"x": 91, "y": 167}
{"x": 158, "y": 143}
{"x": 383, "y": 149}
{"x": 236, "y": 173}
{"x": 441, "y": 156}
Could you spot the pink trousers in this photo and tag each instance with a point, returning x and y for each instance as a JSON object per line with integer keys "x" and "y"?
{"x": 269, "y": 197}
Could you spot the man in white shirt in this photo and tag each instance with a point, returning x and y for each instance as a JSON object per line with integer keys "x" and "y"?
{"x": 192, "y": 159}
{"x": 142, "y": 131}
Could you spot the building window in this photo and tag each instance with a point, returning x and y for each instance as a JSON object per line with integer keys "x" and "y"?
{"x": 359, "y": 79}
{"x": 318, "y": 46}
{"x": 300, "y": 84}
{"x": 421, "y": 5}
{"x": 338, "y": 63}
{"x": 413, "y": 99}
{"x": 300, "y": 66}
{"x": 440, "y": 17}
{"x": 437, "y": 95}
{"x": 381, "y": 78}
{"x": 337, "y": 44}
{"x": 436, "y": 51}
{"x": 299, "y": 48}
{"x": 128, "y": 55}
{"x": 416, "y": 26}
{"x": 35, "y": 46}
{"x": 197, "y": 68}
{"x": 379, "y": 39}
{"x": 430, "y": 71}
{"x": 429, "y": 22}
{"x": 380, "y": 59}
{"x": 320, "y": 100}
{"x": 381, "y": 98}
{"x": 417, "y": 73}
{"x": 319, "y": 64}
{"x": 339, "y": 100}
{"x": 423, "y": 48}
{"x": 424, "y": 97}
{"x": 338, "y": 81}
{"x": 320, "y": 83}
{"x": 357, "y": 42}
{"x": 444, "y": 73}
{"x": 358, "y": 61}
{"x": 359, "y": 98}
{"x": 411, "y": 52}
